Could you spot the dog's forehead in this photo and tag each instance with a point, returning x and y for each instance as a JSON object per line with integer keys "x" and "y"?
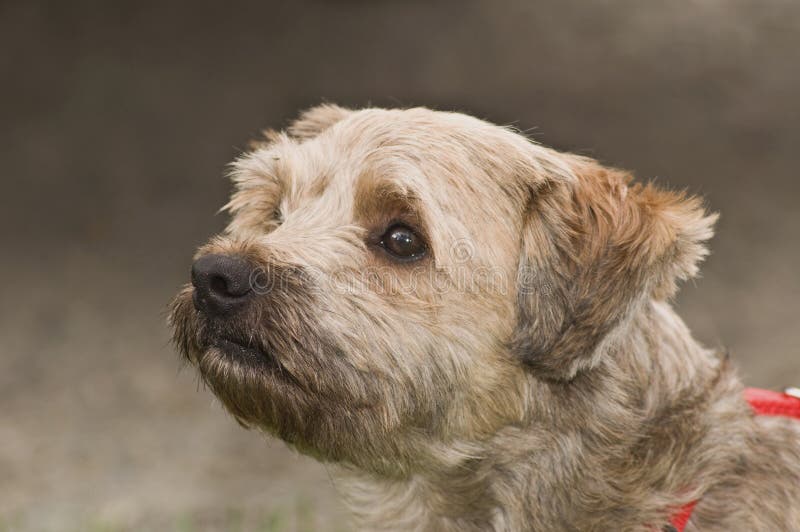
{"x": 416, "y": 152}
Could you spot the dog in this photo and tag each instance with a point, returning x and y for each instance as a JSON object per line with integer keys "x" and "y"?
{"x": 474, "y": 332}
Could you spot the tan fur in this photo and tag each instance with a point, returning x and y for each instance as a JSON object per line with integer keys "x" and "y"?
{"x": 526, "y": 374}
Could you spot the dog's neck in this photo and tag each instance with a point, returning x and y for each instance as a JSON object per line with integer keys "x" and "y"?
{"x": 622, "y": 445}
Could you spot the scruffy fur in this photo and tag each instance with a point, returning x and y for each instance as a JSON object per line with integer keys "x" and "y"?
{"x": 528, "y": 373}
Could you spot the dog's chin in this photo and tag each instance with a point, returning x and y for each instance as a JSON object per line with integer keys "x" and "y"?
{"x": 250, "y": 382}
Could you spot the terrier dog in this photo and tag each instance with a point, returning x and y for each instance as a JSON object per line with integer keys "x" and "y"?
{"x": 474, "y": 331}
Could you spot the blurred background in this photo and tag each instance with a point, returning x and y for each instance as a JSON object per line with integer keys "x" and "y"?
{"x": 117, "y": 120}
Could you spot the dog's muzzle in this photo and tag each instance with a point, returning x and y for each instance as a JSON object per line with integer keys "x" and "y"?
{"x": 224, "y": 291}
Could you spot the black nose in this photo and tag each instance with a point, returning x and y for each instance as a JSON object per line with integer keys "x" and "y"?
{"x": 221, "y": 283}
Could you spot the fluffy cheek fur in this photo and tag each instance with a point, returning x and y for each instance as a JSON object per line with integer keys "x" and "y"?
{"x": 358, "y": 374}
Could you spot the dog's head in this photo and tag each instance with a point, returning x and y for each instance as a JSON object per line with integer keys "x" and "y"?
{"x": 397, "y": 276}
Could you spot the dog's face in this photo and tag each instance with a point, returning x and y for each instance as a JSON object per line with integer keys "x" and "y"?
{"x": 396, "y": 277}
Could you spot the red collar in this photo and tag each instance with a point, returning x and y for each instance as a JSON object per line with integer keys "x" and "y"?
{"x": 763, "y": 403}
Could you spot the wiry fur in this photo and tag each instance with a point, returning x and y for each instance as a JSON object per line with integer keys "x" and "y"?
{"x": 564, "y": 395}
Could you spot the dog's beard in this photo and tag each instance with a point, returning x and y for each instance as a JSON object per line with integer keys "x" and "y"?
{"x": 292, "y": 380}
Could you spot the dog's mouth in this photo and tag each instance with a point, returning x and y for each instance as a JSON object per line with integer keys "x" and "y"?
{"x": 251, "y": 356}
{"x": 244, "y": 353}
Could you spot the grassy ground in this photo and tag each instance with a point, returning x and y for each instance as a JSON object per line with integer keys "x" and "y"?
{"x": 301, "y": 517}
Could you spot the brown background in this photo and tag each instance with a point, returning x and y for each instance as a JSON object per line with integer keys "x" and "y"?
{"x": 117, "y": 120}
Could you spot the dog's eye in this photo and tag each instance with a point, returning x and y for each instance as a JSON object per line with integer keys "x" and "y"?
{"x": 402, "y": 242}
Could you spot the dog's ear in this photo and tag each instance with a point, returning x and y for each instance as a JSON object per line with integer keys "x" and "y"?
{"x": 314, "y": 121}
{"x": 592, "y": 249}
